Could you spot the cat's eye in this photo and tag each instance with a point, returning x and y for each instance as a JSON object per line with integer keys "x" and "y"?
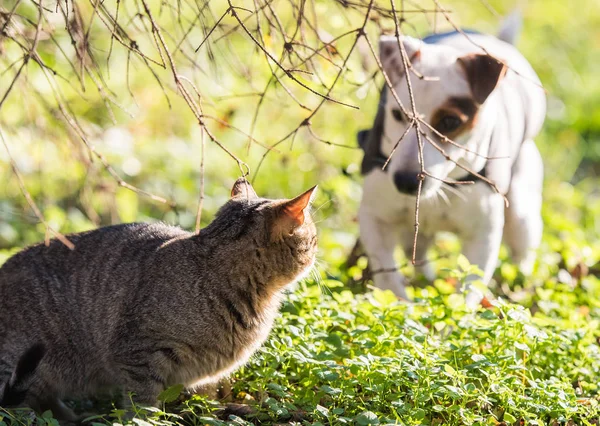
{"x": 397, "y": 114}
{"x": 448, "y": 123}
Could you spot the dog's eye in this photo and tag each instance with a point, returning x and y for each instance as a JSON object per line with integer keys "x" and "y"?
{"x": 397, "y": 114}
{"x": 448, "y": 124}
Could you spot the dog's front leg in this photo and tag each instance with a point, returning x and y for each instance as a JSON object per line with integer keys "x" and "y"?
{"x": 379, "y": 240}
{"x": 482, "y": 246}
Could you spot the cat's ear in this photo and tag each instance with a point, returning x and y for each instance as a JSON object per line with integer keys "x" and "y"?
{"x": 291, "y": 212}
{"x": 243, "y": 189}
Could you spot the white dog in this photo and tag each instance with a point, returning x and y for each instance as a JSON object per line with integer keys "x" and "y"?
{"x": 492, "y": 110}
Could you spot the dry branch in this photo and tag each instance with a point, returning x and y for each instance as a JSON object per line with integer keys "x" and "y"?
{"x": 288, "y": 36}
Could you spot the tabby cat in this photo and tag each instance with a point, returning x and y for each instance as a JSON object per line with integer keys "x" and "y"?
{"x": 141, "y": 307}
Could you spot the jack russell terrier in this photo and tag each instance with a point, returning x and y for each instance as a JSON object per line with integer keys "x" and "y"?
{"x": 492, "y": 109}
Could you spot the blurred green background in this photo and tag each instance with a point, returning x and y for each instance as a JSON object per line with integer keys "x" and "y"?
{"x": 155, "y": 144}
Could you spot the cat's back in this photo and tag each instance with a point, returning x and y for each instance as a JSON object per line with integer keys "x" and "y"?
{"x": 100, "y": 245}
{"x": 84, "y": 285}
{"x": 73, "y": 301}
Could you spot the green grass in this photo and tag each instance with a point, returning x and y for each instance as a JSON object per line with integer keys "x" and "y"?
{"x": 344, "y": 359}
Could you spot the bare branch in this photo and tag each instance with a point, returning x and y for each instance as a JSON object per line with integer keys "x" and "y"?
{"x": 286, "y": 71}
{"x": 32, "y": 205}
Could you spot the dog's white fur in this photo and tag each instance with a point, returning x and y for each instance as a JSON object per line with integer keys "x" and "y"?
{"x": 507, "y": 122}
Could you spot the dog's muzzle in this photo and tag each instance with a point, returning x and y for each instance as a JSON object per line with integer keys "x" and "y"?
{"x": 406, "y": 182}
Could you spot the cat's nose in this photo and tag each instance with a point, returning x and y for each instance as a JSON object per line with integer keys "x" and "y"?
{"x": 406, "y": 182}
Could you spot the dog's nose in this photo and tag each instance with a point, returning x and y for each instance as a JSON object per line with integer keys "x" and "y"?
{"x": 406, "y": 182}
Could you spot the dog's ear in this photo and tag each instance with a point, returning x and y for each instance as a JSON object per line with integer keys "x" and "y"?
{"x": 362, "y": 136}
{"x": 483, "y": 74}
{"x": 391, "y": 57}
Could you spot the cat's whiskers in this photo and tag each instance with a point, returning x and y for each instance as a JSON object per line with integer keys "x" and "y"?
{"x": 314, "y": 271}
{"x": 319, "y": 221}
{"x": 321, "y": 206}
{"x": 313, "y": 212}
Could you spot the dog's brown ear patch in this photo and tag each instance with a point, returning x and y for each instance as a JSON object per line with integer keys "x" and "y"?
{"x": 483, "y": 74}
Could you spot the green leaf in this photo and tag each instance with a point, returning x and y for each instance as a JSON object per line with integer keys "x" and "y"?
{"x": 463, "y": 263}
{"x": 489, "y": 315}
{"x": 385, "y": 298}
{"x": 366, "y": 418}
{"x": 141, "y": 422}
{"x": 455, "y": 392}
{"x": 324, "y": 411}
{"x": 449, "y": 370}
{"x": 419, "y": 414}
{"x": 522, "y": 346}
{"x": 335, "y": 340}
{"x": 170, "y": 394}
{"x": 47, "y": 415}
{"x": 331, "y": 391}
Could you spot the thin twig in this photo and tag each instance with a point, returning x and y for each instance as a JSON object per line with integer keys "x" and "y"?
{"x": 201, "y": 201}
{"x": 286, "y": 71}
{"x": 415, "y": 124}
{"x": 49, "y": 230}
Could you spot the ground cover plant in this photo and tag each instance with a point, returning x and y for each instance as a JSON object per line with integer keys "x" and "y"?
{"x": 342, "y": 353}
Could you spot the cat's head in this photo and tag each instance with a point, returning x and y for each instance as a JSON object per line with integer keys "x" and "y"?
{"x": 276, "y": 235}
